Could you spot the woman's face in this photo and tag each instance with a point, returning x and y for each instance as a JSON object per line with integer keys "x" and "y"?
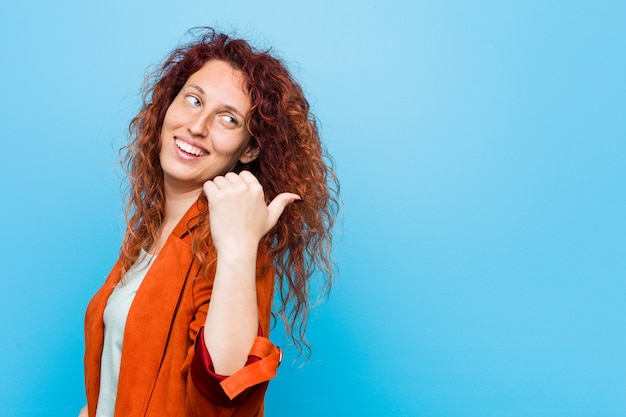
{"x": 204, "y": 131}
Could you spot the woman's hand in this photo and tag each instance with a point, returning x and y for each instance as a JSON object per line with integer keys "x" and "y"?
{"x": 83, "y": 412}
{"x": 238, "y": 212}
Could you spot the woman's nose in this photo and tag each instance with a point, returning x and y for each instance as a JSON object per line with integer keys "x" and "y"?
{"x": 199, "y": 125}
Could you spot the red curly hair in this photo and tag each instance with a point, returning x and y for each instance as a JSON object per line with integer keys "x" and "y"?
{"x": 291, "y": 158}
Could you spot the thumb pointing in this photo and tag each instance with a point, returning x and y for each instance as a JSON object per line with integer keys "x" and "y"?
{"x": 277, "y": 206}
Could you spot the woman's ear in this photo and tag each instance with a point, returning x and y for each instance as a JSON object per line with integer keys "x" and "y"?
{"x": 250, "y": 154}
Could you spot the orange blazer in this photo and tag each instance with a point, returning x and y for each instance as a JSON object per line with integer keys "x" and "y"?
{"x": 164, "y": 370}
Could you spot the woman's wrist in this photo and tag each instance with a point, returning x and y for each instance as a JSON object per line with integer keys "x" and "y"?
{"x": 237, "y": 247}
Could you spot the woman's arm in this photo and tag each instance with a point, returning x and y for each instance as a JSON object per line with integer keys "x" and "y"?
{"x": 239, "y": 218}
{"x": 208, "y": 390}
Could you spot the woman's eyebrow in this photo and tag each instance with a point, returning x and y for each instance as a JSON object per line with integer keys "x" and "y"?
{"x": 197, "y": 87}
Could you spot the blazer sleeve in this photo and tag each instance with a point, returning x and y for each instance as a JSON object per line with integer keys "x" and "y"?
{"x": 242, "y": 393}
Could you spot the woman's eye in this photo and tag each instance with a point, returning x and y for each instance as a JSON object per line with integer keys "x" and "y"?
{"x": 193, "y": 100}
{"x": 229, "y": 119}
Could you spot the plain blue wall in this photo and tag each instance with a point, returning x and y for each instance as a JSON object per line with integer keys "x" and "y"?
{"x": 481, "y": 147}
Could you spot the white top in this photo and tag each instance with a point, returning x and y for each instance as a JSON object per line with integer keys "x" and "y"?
{"x": 115, "y": 315}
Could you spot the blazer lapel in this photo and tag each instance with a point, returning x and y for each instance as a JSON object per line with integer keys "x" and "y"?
{"x": 151, "y": 318}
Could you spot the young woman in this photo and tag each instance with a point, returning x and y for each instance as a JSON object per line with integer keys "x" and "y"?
{"x": 230, "y": 198}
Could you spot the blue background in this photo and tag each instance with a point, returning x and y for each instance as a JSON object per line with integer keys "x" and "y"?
{"x": 481, "y": 148}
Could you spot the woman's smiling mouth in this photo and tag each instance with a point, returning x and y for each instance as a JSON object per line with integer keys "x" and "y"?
{"x": 190, "y": 149}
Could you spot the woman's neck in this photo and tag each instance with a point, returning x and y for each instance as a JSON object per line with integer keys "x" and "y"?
{"x": 178, "y": 202}
{"x": 176, "y": 205}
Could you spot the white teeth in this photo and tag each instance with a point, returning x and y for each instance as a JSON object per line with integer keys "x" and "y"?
{"x": 189, "y": 148}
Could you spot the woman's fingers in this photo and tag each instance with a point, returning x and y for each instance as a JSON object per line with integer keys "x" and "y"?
{"x": 223, "y": 181}
{"x": 210, "y": 188}
{"x": 248, "y": 178}
{"x": 238, "y": 208}
{"x": 234, "y": 180}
